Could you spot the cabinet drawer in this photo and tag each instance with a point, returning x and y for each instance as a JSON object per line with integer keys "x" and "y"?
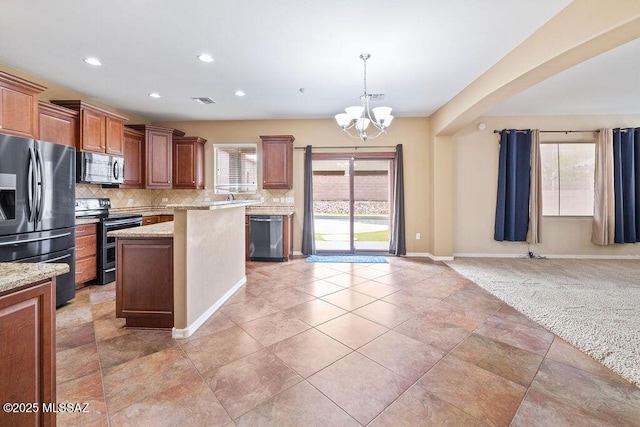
{"x": 86, "y": 270}
{"x": 86, "y": 246}
{"x": 147, "y": 220}
{"x": 85, "y": 229}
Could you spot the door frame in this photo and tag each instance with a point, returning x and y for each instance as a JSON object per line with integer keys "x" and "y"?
{"x": 354, "y": 156}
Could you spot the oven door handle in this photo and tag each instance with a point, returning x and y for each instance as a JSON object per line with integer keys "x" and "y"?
{"x": 133, "y": 223}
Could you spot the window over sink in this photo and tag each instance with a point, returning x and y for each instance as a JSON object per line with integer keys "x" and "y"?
{"x": 236, "y": 168}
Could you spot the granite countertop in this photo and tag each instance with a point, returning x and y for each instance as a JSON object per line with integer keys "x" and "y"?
{"x": 270, "y": 210}
{"x": 80, "y": 221}
{"x": 162, "y": 229}
{"x": 144, "y": 211}
{"x": 14, "y": 275}
{"x": 209, "y": 206}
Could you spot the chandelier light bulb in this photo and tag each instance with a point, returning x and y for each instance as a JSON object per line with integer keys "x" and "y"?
{"x": 360, "y": 117}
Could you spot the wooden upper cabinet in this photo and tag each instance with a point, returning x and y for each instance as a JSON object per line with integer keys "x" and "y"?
{"x": 98, "y": 130}
{"x": 158, "y": 155}
{"x": 19, "y": 106}
{"x": 57, "y": 124}
{"x": 188, "y": 162}
{"x": 277, "y": 161}
{"x": 93, "y": 131}
{"x": 133, "y": 147}
{"x": 114, "y": 136}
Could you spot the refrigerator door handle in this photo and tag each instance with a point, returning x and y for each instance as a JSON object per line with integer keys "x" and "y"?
{"x": 39, "y": 186}
{"x": 56, "y": 259}
{"x": 38, "y": 239}
{"x": 31, "y": 185}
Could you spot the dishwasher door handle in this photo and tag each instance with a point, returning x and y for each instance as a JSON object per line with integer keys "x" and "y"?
{"x": 265, "y": 219}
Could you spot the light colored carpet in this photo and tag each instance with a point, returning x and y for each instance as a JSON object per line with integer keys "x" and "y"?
{"x": 593, "y": 304}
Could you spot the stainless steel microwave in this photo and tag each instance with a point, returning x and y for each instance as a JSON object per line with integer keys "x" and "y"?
{"x": 94, "y": 168}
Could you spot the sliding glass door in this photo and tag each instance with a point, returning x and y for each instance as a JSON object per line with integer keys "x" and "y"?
{"x": 352, "y": 200}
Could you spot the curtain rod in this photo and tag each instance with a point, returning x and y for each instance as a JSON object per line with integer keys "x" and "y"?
{"x": 556, "y": 131}
{"x": 353, "y": 147}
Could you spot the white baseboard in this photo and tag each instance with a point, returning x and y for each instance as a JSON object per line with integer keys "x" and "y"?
{"x": 297, "y": 253}
{"x": 476, "y": 255}
{"x": 189, "y": 330}
{"x": 431, "y": 256}
{"x": 550, "y": 256}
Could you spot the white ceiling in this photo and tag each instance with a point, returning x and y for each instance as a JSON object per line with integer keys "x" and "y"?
{"x": 423, "y": 53}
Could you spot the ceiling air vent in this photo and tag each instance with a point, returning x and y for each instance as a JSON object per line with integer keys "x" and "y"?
{"x": 204, "y": 100}
{"x": 376, "y": 96}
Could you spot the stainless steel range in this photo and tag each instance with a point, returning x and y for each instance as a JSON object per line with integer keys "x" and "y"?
{"x": 99, "y": 208}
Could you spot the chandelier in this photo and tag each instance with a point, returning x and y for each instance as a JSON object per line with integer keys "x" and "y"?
{"x": 359, "y": 117}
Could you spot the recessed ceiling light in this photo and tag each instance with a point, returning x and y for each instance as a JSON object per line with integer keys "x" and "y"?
{"x": 240, "y": 93}
{"x": 155, "y": 95}
{"x": 205, "y": 57}
{"x": 92, "y": 61}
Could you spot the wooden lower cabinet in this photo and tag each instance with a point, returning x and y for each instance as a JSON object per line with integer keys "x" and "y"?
{"x": 247, "y": 241}
{"x": 144, "y": 282}
{"x": 287, "y": 236}
{"x": 154, "y": 219}
{"x": 27, "y": 353}
{"x": 86, "y": 254}
{"x": 150, "y": 219}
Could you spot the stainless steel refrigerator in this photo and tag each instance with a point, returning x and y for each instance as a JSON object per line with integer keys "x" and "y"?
{"x": 37, "y": 206}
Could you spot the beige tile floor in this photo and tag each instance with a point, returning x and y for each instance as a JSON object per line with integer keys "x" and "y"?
{"x": 408, "y": 343}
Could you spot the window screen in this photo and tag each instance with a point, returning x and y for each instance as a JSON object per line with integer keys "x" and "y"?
{"x": 236, "y": 168}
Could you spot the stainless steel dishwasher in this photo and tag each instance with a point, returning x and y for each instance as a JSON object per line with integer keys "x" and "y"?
{"x": 265, "y": 238}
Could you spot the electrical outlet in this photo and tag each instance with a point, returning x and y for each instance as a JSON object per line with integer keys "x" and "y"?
{"x": 417, "y": 236}
{"x": 207, "y": 199}
{"x": 165, "y": 199}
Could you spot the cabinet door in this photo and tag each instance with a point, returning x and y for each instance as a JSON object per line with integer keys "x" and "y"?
{"x": 144, "y": 284}
{"x": 17, "y": 113}
{"x": 277, "y": 154}
{"x": 57, "y": 126}
{"x": 114, "y": 136}
{"x": 184, "y": 174}
{"x": 133, "y": 150}
{"x": 159, "y": 164}
{"x": 199, "y": 165}
{"x": 27, "y": 353}
{"x": 93, "y": 131}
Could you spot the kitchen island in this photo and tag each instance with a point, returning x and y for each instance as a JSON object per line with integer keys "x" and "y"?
{"x": 202, "y": 251}
{"x": 28, "y": 344}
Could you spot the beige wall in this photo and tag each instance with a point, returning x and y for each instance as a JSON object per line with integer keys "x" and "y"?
{"x": 208, "y": 260}
{"x": 475, "y": 179}
{"x": 413, "y": 133}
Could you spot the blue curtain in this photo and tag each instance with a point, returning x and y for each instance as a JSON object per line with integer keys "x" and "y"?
{"x": 626, "y": 183}
{"x": 512, "y": 206}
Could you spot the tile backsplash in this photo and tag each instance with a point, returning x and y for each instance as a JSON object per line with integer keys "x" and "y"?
{"x": 128, "y": 198}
